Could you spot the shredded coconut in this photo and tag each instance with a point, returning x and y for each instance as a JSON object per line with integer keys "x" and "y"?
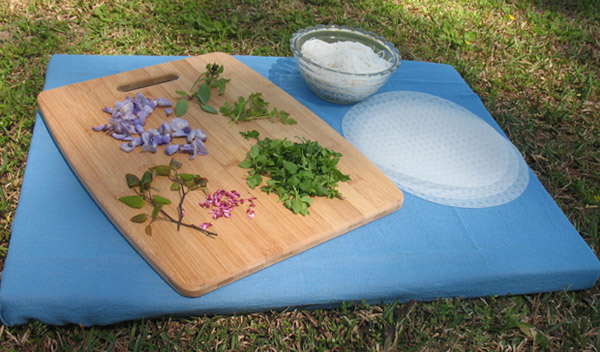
{"x": 344, "y": 56}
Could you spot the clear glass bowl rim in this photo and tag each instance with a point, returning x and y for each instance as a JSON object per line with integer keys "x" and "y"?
{"x": 321, "y": 28}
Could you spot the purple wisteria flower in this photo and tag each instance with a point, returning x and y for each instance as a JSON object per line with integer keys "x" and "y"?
{"x": 127, "y": 121}
{"x": 196, "y": 134}
{"x": 172, "y": 149}
{"x": 163, "y": 102}
{"x": 180, "y": 127}
{"x": 196, "y": 147}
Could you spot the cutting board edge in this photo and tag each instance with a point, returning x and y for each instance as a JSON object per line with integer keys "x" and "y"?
{"x": 175, "y": 59}
{"x": 195, "y": 291}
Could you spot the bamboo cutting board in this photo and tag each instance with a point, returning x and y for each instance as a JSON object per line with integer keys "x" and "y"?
{"x": 191, "y": 262}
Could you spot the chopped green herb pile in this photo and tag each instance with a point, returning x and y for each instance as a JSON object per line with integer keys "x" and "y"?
{"x": 253, "y": 109}
{"x": 201, "y": 89}
{"x": 297, "y": 170}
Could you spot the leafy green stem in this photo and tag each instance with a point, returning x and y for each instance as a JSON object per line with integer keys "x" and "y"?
{"x": 201, "y": 89}
{"x": 180, "y": 212}
{"x": 182, "y": 183}
{"x": 254, "y": 108}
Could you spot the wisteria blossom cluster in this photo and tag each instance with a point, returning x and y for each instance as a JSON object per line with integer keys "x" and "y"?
{"x": 127, "y": 121}
{"x": 222, "y": 202}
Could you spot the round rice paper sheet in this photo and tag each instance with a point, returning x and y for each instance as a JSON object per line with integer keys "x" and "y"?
{"x": 436, "y": 149}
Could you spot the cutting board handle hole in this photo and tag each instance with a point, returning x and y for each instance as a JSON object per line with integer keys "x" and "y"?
{"x": 127, "y": 87}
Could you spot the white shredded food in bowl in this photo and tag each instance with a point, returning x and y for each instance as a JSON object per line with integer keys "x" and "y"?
{"x": 346, "y": 56}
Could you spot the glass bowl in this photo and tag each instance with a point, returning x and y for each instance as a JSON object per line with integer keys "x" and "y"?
{"x": 339, "y": 86}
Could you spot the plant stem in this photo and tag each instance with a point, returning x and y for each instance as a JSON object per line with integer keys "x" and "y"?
{"x": 192, "y": 226}
{"x": 208, "y": 80}
{"x": 179, "y": 222}
{"x": 180, "y": 207}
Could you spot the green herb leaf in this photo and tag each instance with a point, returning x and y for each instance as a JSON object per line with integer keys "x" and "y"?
{"x": 175, "y": 186}
{"x": 208, "y": 108}
{"x": 254, "y": 181}
{"x": 181, "y": 107}
{"x": 161, "y": 170}
{"x": 321, "y": 190}
{"x": 145, "y": 181}
{"x": 250, "y": 134}
{"x": 132, "y": 180}
{"x": 293, "y": 181}
{"x": 181, "y": 93}
{"x": 306, "y": 186}
{"x": 160, "y": 200}
{"x": 290, "y": 167}
{"x": 245, "y": 164}
{"x": 140, "y": 218}
{"x": 254, "y": 151}
{"x": 148, "y": 230}
{"x": 203, "y": 93}
{"x": 156, "y": 210}
{"x": 296, "y": 205}
{"x": 136, "y": 201}
{"x": 186, "y": 177}
{"x": 307, "y": 200}
{"x": 220, "y": 84}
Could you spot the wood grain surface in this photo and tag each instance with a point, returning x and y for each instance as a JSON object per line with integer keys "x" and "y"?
{"x": 192, "y": 263}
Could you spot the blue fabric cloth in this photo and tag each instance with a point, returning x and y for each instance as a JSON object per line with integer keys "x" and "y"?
{"x": 68, "y": 264}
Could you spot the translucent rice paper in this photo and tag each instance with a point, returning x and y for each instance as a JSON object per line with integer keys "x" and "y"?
{"x": 436, "y": 149}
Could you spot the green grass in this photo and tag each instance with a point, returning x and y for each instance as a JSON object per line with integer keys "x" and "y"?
{"x": 534, "y": 63}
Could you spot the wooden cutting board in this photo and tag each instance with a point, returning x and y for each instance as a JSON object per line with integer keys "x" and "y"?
{"x": 191, "y": 262}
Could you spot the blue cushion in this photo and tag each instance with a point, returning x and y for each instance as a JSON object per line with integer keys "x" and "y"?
{"x": 68, "y": 264}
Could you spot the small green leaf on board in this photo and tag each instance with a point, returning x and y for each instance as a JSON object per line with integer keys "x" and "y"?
{"x": 133, "y": 201}
{"x": 140, "y": 218}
